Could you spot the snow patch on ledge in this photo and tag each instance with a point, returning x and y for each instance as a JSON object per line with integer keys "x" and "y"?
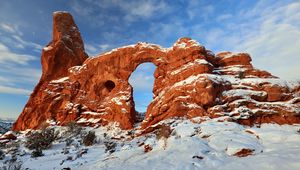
{"x": 90, "y": 120}
{"x": 190, "y": 43}
{"x": 188, "y": 80}
{"x": 48, "y": 48}
{"x": 190, "y": 64}
{"x": 94, "y": 113}
{"x": 118, "y": 100}
{"x": 60, "y": 80}
{"x": 60, "y": 12}
{"x": 77, "y": 69}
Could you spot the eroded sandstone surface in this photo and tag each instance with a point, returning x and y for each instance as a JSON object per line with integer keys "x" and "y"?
{"x": 190, "y": 81}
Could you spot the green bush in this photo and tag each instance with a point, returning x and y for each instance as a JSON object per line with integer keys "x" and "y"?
{"x": 40, "y": 140}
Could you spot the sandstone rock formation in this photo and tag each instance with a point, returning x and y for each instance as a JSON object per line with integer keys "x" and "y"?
{"x": 190, "y": 81}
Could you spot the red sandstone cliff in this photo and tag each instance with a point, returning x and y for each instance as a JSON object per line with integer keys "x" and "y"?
{"x": 190, "y": 81}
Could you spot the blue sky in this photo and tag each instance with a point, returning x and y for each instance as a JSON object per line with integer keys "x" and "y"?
{"x": 268, "y": 29}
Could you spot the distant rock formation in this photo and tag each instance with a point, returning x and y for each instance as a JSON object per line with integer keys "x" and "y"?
{"x": 5, "y": 125}
{"x": 190, "y": 81}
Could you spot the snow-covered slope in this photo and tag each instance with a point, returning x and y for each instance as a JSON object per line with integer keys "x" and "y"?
{"x": 211, "y": 144}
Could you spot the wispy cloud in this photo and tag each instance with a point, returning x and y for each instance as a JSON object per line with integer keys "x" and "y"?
{"x": 15, "y": 71}
{"x": 269, "y": 31}
{"x": 95, "y": 49}
{"x": 7, "y": 56}
{"x": 144, "y": 9}
{"x": 35, "y": 46}
{"x": 196, "y": 9}
{"x": 130, "y": 10}
{"x": 223, "y": 17}
{"x": 10, "y": 28}
{"x": 274, "y": 40}
{"x": 14, "y": 90}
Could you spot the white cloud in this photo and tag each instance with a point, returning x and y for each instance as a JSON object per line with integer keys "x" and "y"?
{"x": 10, "y": 28}
{"x": 141, "y": 82}
{"x": 197, "y": 8}
{"x": 7, "y": 28}
{"x": 144, "y": 9}
{"x": 7, "y": 56}
{"x": 14, "y": 74}
{"x": 223, "y": 17}
{"x": 14, "y": 90}
{"x": 269, "y": 32}
{"x": 24, "y": 43}
{"x": 132, "y": 10}
{"x": 142, "y": 78}
{"x": 104, "y": 47}
{"x": 15, "y": 70}
{"x": 275, "y": 42}
{"x": 90, "y": 49}
{"x": 96, "y": 49}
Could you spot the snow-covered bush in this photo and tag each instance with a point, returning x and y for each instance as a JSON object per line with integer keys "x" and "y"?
{"x": 89, "y": 139}
{"x": 40, "y": 140}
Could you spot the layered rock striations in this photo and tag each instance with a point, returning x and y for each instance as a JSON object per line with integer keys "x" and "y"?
{"x": 190, "y": 81}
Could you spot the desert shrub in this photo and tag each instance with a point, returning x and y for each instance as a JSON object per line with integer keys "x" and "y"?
{"x": 16, "y": 165}
{"x": 241, "y": 75}
{"x": 89, "y": 139}
{"x": 65, "y": 151}
{"x": 37, "y": 153}
{"x": 2, "y": 145}
{"x": 2, "y": 155}
{"x": 69, "y": 141}
{"x": 110, "y": 146}
{"x": 80, "y": 153}
{"x": 14, "y": 144}
{"x": 147, "y": 148}
{"x": 164, "y": 131}
{"x": 73, "y": 129}
{"x": 40, "y": 140}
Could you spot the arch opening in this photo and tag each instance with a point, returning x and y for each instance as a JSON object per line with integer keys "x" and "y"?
{"x": 142, "y": 82}
{"x": 109, "y": 85}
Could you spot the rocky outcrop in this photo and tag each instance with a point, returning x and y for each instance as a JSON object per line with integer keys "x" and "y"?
{"x": 190, "y": 81}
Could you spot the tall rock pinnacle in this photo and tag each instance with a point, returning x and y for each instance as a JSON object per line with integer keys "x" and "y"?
{"x": 64, "y": 51}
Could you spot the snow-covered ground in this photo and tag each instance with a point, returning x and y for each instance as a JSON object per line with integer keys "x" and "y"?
{"x": 211, "y": 144}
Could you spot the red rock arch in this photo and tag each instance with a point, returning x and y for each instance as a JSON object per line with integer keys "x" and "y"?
{"x": 96, "y": 90}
